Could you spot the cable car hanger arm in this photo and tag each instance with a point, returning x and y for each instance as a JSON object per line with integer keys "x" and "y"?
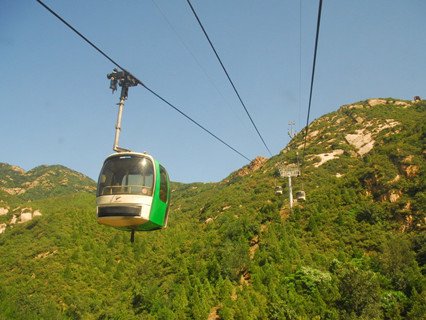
{"x": 125, "y": 80}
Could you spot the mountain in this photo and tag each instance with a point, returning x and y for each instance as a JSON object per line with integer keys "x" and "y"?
{"x": 18, "y": 189}
{"x": 235, "y": 250}
{"x": 41, "y": 182}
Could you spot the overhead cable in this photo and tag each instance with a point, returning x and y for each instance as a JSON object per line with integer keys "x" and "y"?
{"x": 300, "y": 64}
{"x": 81, "y": 36}
{"x": 195, "y": 122}
{"x": 140, "y": 82}
{"x": 188, "y": 49}
{"x": 312, "y": 77}
{"x": 227, "y": 75}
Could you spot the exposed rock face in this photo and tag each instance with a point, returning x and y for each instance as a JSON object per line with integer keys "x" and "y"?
{"x": 359, "y": 119}
{"x": 14, "y": 191}
{"x": 390, "y": 123}
{"x": 208, "y": 220}
{"x": 254, "y": 246}
{"x": 327, "y": 157}
{"x": 20, "y": 215}
{"x": 25, "y": 217}
{"x": 355, "y": 106}
{"x": 45, "y": 254}
{"x": 408, "y": 223}
{"x": 408, "y": 159}
{"x": 36, "y": 213}
{"x": 353, "y": 126}
{"x": 395, "y": 180}
{"x": 402, "y": 103}
{"x": 362, "y": 141}
{"x": 411, "y": 171}
{"x": 375, "y": 102}
{"x": 312, "y": 135}
{"x": 13, "y": 220}
{"x": 18, "y": 169}
{"x": 256, "y": 164}
{"x": 214, "y": 315}
{"x": 4, "y": 211}
{"x": 394, "y": 196}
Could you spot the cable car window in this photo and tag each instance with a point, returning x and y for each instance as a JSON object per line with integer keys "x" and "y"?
{"x": 163, "y": 184}
{"x": 126, "y": 175}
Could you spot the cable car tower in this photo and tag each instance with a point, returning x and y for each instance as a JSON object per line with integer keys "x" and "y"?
{"x": 133, "y": 191}
{"x": 300, "y": 195}
{"x": 278, "y": 189}
{"x": 290, "y": 171}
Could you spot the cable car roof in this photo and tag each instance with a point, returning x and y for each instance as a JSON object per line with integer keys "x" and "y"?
{"x": 130, "y": 153}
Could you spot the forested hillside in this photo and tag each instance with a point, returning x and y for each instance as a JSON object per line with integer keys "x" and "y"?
{"x": 41, "y": 182}
{"x": 355, "y": 249}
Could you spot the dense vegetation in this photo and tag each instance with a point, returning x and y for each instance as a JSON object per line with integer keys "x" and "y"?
{"x": 233, "y": 249}
{"x": 41, "y": 182}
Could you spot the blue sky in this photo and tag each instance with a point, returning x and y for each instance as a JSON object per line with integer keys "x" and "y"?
{"x": 56, "y": 106}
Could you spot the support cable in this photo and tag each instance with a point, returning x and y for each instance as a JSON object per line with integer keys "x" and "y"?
{"x": 196, "y": 60}
{"x": 195, "y": 122}
{"x": 81, "y": 36}
{"x": 312, "y": 77}
{"x": 227, "y": 75}
{"x": 139, "y": 82}
{"x": 300, "y": 64}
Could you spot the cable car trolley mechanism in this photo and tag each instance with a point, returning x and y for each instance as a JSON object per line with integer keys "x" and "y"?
{"x": 278, "y": 190}
{"x": 133, "y": 191}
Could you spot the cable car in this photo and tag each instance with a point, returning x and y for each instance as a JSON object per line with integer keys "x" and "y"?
{"x": 278, "y": 190}
{"x": 300, "y": 196}
{"x": 133, "y": 193}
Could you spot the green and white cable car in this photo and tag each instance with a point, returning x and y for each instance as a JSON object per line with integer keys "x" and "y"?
{"x": 133, "y": 192}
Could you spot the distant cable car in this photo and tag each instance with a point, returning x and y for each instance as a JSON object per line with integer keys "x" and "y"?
{"x": 300, "y": 196}
{"x": 278, "y": 190}
{"x": 133, "y": 193}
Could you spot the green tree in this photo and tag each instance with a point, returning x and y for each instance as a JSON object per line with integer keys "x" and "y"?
{"x": 360, "y": 294}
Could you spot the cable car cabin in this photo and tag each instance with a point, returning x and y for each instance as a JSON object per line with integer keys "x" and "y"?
{"x": 278, "y": 190}
{"x": 300, "y": 196}
{"x": 133, "y": 192}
